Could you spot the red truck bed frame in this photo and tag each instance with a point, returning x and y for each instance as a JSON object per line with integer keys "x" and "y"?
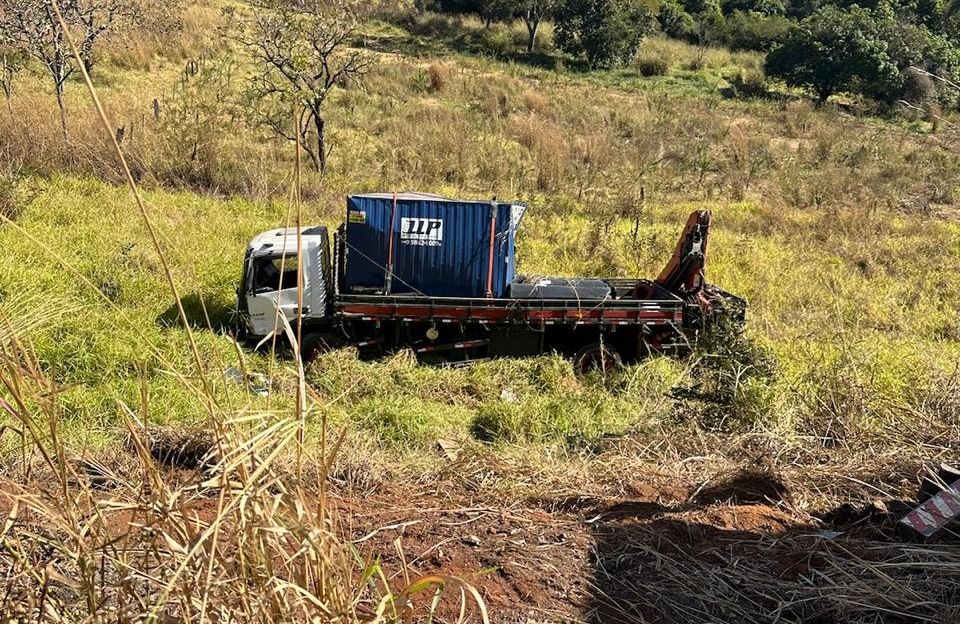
{"x": 666, "y": 309}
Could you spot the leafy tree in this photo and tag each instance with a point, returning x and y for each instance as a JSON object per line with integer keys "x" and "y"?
{"x": 753, "y": 31}
{"x": 608, "y": 32}
{"x": 870, "y": 52}
{"x": 699, "y": 7}
{"x": 302, "y": 53}
{"x": 761, "y": 7}
{"x": 930, "y": 13}
{"x": 800, "y": 9}
{"x": 674, "y": 20}
{"x": 533, "y": 12}
{"x": 913, "y": 47}
{"x": 835, "y": 50}
{"x": 496, "y": 10}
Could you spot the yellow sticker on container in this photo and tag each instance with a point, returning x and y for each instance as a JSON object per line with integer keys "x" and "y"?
{"x": 357, "y": 216}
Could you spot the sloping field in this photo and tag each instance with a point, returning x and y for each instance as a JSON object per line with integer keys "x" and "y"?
{"x": 710, "y": 489}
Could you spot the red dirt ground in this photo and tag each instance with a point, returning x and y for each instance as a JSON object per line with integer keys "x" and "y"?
{"x": 539, "y": 561}
{"x": 580, "y": 558}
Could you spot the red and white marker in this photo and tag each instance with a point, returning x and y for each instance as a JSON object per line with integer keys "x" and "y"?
{"x": 936, "y": 513}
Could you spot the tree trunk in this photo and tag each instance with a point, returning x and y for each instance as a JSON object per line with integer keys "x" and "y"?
{"x": 534, "y": 29}
{"x": 320, "y": 126}
{"x": 8, "y": 94}
{"x": 63, "y": 112}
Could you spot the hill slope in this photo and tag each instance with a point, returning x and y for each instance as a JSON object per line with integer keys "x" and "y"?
{"x": 841, "y": 231}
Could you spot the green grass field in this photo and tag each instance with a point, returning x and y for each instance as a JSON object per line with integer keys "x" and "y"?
{"x": 840, "y": 227}
{"x": 840, "y": 231}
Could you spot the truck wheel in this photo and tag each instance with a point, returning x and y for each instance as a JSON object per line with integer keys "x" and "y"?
{"x": 596, "y": 357}
{"x": 313, "y": 345}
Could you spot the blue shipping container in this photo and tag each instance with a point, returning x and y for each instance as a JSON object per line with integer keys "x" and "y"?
{"x": 440, "y": 247}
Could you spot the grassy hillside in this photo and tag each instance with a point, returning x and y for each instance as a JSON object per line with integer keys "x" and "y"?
{"x": 716, "y": 487}
{"x": 839, "y": 229}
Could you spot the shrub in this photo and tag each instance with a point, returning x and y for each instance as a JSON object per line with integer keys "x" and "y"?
{"x": 914, "y": 47}
{"x": 197, "y": 121}
{"x": 756, "y": 7}
{"x": 652, "y": 65}
{"x": 748, "y": 83}
{"x": 439, "y": 78}
{"x": 860, "y": 51}
{"x": 754, "y": 31}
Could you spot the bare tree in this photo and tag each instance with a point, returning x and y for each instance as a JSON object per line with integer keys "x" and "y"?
{"x": 533, "y": 13}
{"x": 32, "y": 27}
{"x": 11, "y": 63}
{"x": 96, "y": 19}
{"x": 302, "y": 50}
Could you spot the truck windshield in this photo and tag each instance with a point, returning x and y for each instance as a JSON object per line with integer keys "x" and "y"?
{"x": 269, "y": 274}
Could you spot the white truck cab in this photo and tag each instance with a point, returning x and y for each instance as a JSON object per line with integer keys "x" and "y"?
{"x": 269, "y": 285}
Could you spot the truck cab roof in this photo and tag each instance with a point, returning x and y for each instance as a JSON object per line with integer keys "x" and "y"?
{"x": 284, "y": 240}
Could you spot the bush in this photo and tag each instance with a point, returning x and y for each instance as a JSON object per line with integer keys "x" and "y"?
{"x": 757, "y": 7}
{"x": 914, "y": 47}
{"x": 860, "y": 51}
{"x": 652, "y": 65}
{"x": 748, "y": 83}
{"x": 753, "y": 31}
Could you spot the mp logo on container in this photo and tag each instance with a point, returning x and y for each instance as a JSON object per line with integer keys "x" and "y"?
{"x": 421, "y": 232}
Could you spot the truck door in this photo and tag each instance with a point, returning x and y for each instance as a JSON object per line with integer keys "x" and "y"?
{"x": 272, "y": 287}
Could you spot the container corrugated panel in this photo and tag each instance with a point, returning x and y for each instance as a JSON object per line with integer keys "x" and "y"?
{"x": 441, "y": 247}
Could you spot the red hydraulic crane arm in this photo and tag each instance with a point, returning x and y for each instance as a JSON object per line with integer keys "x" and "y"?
{"x": 684, "y": 273}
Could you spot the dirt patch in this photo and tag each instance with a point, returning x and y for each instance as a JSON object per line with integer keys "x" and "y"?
{"x": 181, "y": 449}
{"x": 569, "y": 558}
{"x": 755, "y": 485}
{"x": 527, "y": 563}
{"x": 651, "y": 550}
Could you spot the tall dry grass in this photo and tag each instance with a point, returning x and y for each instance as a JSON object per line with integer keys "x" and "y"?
{"x": 85, "y": 541}
{"x": 248, "y": 539}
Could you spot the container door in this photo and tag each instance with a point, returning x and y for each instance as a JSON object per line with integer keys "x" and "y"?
{"x": 366, "y": 244}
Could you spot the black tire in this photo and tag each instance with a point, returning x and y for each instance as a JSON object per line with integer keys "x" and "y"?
{"x": 596, "y": 357}
{"x": 313, "y": 345}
